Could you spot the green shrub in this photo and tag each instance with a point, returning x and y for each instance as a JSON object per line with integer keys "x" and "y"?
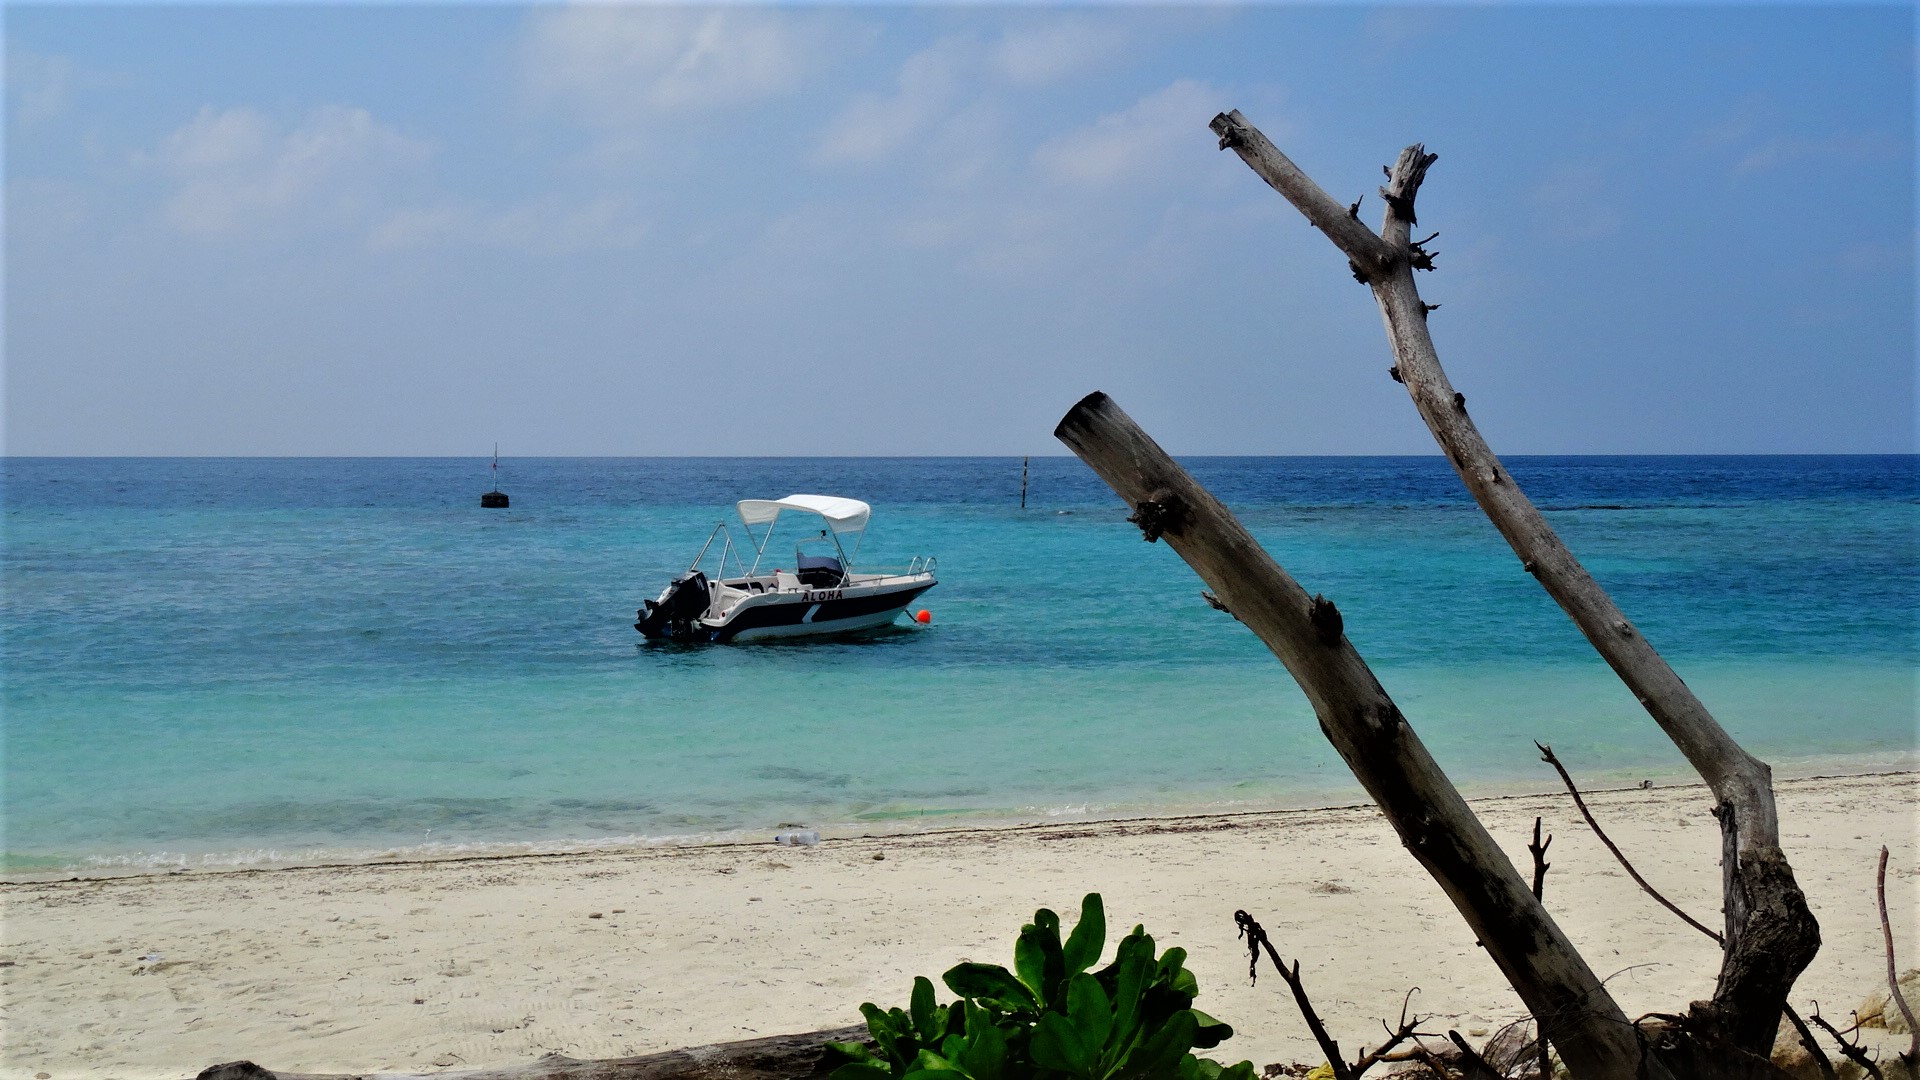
{"x": 1050, "y": 1018}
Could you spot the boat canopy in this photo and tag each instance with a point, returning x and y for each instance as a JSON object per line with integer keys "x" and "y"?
{"x": 844, "y": 515}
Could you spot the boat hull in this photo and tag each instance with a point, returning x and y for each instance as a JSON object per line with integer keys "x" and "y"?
{"x": 829, "y": 611}
{"x": 759, "y": 613}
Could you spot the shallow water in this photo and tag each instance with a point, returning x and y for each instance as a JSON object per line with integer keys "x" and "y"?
{"x": 226, "y": 661}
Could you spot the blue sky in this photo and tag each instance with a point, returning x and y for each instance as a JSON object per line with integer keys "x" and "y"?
{"x": 422, "y": 229}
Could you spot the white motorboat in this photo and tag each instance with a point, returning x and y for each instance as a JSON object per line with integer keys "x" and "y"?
{"x": 822, "y": 594}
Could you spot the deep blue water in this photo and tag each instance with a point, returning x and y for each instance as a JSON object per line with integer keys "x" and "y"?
{"x": 237, "y": 660}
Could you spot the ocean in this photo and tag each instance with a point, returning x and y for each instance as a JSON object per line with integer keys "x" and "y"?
{"x": 258, "y": 661}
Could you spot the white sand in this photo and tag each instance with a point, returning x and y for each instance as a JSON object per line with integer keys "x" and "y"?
{"x": 455, "y": 965}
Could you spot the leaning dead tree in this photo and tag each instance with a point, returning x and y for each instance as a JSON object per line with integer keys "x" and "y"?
{"x": 1770, "y": 935}
{"x": 1306, "y": 633}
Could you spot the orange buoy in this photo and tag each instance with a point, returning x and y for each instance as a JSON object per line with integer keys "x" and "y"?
{"x": 923, "y": 616}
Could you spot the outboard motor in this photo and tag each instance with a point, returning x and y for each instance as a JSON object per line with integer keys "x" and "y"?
{"x": 674, "y": 614}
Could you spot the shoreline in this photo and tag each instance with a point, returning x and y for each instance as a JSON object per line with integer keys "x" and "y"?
{"x": 142, "y": 863}
{"x": 496, "y": 960}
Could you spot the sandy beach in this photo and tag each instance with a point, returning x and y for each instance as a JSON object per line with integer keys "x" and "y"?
{"x": 450, "y": 965}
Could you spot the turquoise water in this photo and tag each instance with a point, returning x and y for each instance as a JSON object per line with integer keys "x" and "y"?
{"x": 239, "y": 661}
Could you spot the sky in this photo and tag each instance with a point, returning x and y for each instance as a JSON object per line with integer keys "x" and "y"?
{"x": 900, "y": 230}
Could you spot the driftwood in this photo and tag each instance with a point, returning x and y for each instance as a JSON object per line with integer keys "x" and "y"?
{"x": 1894, "y": 996}
{"x": 1771, "y": 935}
{"x": 777, "y": 1057}
{"x": 1367, "y": 728}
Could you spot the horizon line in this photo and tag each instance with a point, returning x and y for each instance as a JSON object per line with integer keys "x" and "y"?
{"x": 907, "y": 457}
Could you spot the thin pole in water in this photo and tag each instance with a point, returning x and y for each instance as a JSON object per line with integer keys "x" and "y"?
{"x": 495, "y": 499}
{"x": 1023, "y": 483}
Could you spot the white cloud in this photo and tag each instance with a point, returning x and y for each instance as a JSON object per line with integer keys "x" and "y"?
{"x": 1786, "y": 149}
{"x": 1047, "y": 51}
{"x": 930, "y": 85}
{"x": 620, "y": 65}
{"x": 38, "y": 87}
{"x": 1390, "y": 31}
{"x": 1745, "y": 134}
{"x": 236, "y": 168}
{"x": 1136, "y": 143}
{"x": 1748, "y": 115}
{"x": 549, "y": 225}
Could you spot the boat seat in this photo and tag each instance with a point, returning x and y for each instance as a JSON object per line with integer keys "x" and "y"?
{"x": 785, "y": 582}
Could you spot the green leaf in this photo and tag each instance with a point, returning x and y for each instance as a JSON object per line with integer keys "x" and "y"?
{"x": 931, "y": 1066}
{"x": 1057, "y": 1045}
{"x": 880, "y": 1026}
{"x": 1238, "y": 1071}
{"x": 1131, "y": 968}
{"x": 921, "y": 1012}
{"x": 985, "y": 1054}
{"x": 852, "y": 1051}
{"x": 1088, "y": 938}
{"x": 991, "y": 983}
{"x": 928, "y": 1061}
{"x": 1174, "y": 976}
{"x": 1185, "y": 984}
{"x": 1212, "y": 1032}
{"x": 1171, "y": 961}
{"x": 902, "y": 1023}
{"x": 861, "y": 1070}
{"x": 1030, "y": 962}
{"x": 1162, "y": 1051}
{"x": 1090, "y": 1013}
{"x": 1036, "y": 958}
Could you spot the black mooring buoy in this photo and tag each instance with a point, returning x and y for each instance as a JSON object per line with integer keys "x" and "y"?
{"x": 495, "y": 499}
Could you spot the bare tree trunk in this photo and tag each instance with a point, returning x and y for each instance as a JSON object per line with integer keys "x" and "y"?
{"x": 1364, "y": 725}
{"x": 1771, "y": 935}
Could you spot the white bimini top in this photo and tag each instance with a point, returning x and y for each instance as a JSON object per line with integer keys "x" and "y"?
{"x": 844, "y": 515}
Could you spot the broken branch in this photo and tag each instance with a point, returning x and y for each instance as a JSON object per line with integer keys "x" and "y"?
{"x": 1256, "y": 940}
{"x": 1854, "y": 1051}
{"x": 1366, "y": 250}
{"x": 1538, "y": 850}
{"x": 1395, "y": 1036}
{"x": 1472, "y": 1065}
{"x": 1893, "y": 974}
{"x": 1820, "y": 1058}
{"x": 1546, "y": 755}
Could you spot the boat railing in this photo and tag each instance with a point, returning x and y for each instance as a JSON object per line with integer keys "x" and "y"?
{"x": 921, "y": 564}
{"x": 725, "y": 536}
